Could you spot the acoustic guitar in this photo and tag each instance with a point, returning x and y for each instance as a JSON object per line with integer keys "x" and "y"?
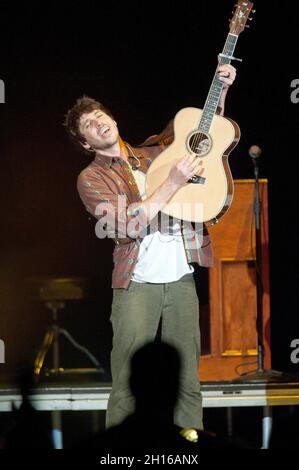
{"x": 211, "y": 138}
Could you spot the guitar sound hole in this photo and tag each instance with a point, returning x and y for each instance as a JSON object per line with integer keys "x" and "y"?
{"x": 199, "y": 143}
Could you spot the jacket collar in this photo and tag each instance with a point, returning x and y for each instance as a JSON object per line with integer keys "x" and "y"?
{"x": 109, "y": 162}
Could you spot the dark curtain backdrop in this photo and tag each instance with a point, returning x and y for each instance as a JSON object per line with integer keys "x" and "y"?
{"x": 145, "y": 62}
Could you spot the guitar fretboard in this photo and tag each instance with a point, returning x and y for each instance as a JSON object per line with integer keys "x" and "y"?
{"x": 213, "y": 97}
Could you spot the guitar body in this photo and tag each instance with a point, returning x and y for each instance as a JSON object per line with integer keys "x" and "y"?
{"x": 209, "y": 199}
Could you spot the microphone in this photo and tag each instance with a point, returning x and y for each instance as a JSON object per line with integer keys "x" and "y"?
{"x": 254, "y": 152}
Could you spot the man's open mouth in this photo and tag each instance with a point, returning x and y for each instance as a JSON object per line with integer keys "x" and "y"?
{"x": 104, "y": 130}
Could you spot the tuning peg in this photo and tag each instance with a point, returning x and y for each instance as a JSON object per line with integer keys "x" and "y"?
{"x": 247, "y": 26}
{"x": 253, "y": 11}
{"x": 250, "y": 19}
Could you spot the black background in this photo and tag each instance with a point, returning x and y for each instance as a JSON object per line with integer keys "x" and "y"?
{"x": 145, "y": 62}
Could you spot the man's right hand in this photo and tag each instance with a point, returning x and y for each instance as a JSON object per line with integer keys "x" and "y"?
{"x": 179, "y": 174}
{"x": 184, "y": 169}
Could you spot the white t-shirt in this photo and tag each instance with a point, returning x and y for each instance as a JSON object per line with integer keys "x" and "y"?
{"x": 162, "y": 257}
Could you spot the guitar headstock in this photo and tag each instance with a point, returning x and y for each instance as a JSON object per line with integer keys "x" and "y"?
{"x": 241, "y": 16}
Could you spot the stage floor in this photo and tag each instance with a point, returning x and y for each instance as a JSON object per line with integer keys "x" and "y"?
{"x": 79, "y": 396}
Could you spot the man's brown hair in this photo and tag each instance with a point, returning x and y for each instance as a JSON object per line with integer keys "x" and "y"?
{"x": 83, "y": 105}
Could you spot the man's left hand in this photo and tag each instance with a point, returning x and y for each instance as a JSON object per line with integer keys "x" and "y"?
{"x": 226, "y": 74}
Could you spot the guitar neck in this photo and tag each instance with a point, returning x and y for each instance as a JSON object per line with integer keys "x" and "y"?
{"x": 214, "y": 94}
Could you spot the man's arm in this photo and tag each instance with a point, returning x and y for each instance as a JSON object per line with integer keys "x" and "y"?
{"x": 226, "y": 74}
{"x": 113, "y": 209}
{"x": 221, "y": 104}
{"x": 178, "y": 176}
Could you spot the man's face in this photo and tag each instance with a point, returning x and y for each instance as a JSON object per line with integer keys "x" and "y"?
{"x": 99, "y": 130}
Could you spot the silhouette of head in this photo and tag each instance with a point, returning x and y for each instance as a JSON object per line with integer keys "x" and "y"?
{"x": 154, "y": 380}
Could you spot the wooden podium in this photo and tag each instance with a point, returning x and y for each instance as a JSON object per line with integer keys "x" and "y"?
{"x": 232, "y": 289}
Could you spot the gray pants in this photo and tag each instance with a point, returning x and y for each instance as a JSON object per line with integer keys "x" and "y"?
{"x": 135, "y": 317}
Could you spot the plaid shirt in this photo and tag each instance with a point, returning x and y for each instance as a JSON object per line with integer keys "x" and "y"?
{"x": 106, "y": 181}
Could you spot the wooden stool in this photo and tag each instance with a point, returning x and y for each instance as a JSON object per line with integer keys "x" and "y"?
{"x": 54, "y": 292}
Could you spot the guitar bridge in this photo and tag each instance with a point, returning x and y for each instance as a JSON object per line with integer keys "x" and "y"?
{"x": 197, "y": 180}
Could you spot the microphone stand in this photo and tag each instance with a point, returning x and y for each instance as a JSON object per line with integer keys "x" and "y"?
{"x": 258, "y": 264}
{"x": 259, "y": 374}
